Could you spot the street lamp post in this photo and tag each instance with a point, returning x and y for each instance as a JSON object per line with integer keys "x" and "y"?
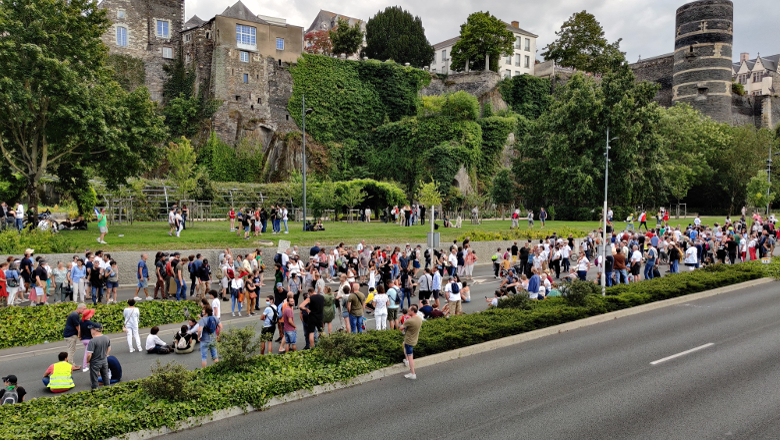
{"x": 606, "y": 239}
{"x": 304, "y": 112}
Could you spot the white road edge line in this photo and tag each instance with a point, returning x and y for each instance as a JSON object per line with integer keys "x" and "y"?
{"x": 668, "y": 358}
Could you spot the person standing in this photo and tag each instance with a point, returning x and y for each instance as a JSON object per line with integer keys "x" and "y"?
{"x": 208, "y": 328}
{"x": 288, "y": 322}
{"x": 132, "y": 317}
{"x": 284, "y": 219}
{"x": 102, "y": 225}
{"x": 142, "y": 274}
{"x": 411, "y": 328}
{"x": 651, "y": 254}
{"x": 314, "y": 305}
{"x": 381, "y": 301}
{"x": 542, "y": 217}
{"x": 72, "y": 332}
{"x": 97, "y": 354}
{"x": 19, "y": 216}
{"x": 643, "y": 221}
{"x": 159, "y": 270}
{"x": 453, "y": 296}
{"x": 40, "y": 278}
{"x": 181, "y": 286}
{"x": 13, "y": 282}
{"x": 269, "y": 326}
{"x": 355, "y": 302}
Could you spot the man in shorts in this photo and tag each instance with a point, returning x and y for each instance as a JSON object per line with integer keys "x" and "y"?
{"x": 290, "y": 330}
{"x": 411, "y": 328}
{"x": 530, "y": 220}
{"x": 102, "y": 226}
{"x": 143, "y": 277}
{"x": 393, "y": 303}
{"x": 267, "y": 334}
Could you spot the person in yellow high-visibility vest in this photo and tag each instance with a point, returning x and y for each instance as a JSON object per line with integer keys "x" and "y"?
{"x": 59, "y": 377}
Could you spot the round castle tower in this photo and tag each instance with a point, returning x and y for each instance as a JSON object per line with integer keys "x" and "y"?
{"x": 703, "y": 57}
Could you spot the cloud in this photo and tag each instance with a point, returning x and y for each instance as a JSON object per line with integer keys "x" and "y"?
{"x": 646, "y": 27}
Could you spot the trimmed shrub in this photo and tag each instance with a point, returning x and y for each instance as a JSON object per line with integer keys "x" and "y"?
{"x": 44, "y": 242}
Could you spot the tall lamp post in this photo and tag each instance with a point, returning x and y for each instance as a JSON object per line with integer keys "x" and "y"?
{"x": 305, "y": 111}
{"x": 606, "y": 239}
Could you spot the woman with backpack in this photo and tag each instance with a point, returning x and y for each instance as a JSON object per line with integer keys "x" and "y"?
{"x": 12, "y": 279}
{"x": 208, "y": 328}
{"x": 236, "y": 292}
{"x": 182, "y": 341}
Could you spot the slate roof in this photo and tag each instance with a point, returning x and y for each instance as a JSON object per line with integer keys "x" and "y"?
{"x": 769, "y": 63}
{"x": 446, "y": 43}
{"x": 193, "y": 22}
{"x": 241, "y": 12}
{"x": 517, "y": 29}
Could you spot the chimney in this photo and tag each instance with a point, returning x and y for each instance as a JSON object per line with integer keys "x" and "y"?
{"x": 744, "y": 56}
{"x": 516, "y": 24}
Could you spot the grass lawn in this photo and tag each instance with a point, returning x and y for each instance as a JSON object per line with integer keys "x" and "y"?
{"x": 152, "y": 236}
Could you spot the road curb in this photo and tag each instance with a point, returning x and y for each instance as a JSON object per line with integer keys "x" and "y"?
{"x": 194, "y": 422}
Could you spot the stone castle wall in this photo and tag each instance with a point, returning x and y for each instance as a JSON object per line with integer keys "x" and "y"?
{"x": 659, "y": 70}
{"x": 140, "y": 18}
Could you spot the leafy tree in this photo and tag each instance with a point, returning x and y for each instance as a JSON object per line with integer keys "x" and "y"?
{"x": 322, "y": 197}
{"x": 481, "y": 35}
{"x": 503, "y": 191}
{"x": 186, "y": 111}
{"x": 346, "y": 39}
{"x": 527, "y": 95}
{"x": 744, "y": 155}
{"x": 581, "y": 44}
{"x": 318, "y": 43}
{"x": 461, "y": 106}
{"x": 183, "y": 170}
{"x": 352, "y": 196}
{"x": 758, "y": 194}
{"x": 394, "y": 34}
{"x": 59, "y": 104}
{"x": 428, "y": 195}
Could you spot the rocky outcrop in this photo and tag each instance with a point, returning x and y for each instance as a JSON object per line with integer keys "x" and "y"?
{"x": 482, "y": 85}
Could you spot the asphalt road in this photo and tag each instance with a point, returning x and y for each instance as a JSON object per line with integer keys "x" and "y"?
{"x": 597, "y": 382}
{"x": 29, "y": 363}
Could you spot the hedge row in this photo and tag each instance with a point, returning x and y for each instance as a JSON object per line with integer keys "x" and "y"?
{"x": 23, "y": 326}
{"x": 127, "y": 407}
{"x": 523, "y": 234}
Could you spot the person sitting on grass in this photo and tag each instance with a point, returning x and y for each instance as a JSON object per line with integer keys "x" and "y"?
{"x": 114, "y": 371}
{"x": 58, "y": 378}
{"x": 155, "y": 345}
{"x": 182, "y": 341}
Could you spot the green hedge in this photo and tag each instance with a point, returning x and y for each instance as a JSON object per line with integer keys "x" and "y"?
{"x": 126, "y": 407}
{"x": 22, "y": 326}
{"x": 523, "y": 234}
{"x": 12, "y": 242}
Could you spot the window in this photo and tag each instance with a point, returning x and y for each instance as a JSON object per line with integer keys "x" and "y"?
{"x": 443, "y": 55}
{"x": 163, "y": 29}
{"x": 280, "y": 44}
{"x": 120, "y": 14}
{"x": 507, "y": 74}
{"x": 167, "y": 52}
{"x": 188, "y": 37}
{"x": 527, "y": 44}
{"x": 434, "y": 58}
{"x": 508, "y": 60}
{"x": 517, "y": 60}
{"x": 244, "y": 57}
{"x": 433, "y": 70}
{"x": 758, "y": 77}
{"x": 188, "y": 58}
{"x": 121, "y": 36}
{"x": 527, "y": 62}
{"x": 517, "y": 43}
{"x": 246, "y": 37}
{"x": 246, "y": 78}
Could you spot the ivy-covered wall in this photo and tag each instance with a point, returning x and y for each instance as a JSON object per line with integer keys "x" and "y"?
{"x": 351, "y": 98}
{"x": 129, "y": 72}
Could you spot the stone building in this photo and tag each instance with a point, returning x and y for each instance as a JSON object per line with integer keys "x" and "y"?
{"x": 700, "y": 71}
{"x": 326, "y": 20}
{"x": 145, "y": 30}
{"x": 242, "y": 59}
{"x": 522, "y": 61}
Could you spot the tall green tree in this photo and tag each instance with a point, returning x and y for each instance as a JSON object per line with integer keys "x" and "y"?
{"x": 527, "y": 95}
{"x": 182, "y": 167}
{"x": 346, "y": 39}
{"x": 394, "y": 34}
{"x": 757, "y": 191}
{"x": 481, "y": 35}
{"x": 581, "y": 44}
{"x": 59, "y": 103}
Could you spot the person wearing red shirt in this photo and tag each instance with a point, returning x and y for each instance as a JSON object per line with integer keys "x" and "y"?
{"x": 232, "y": 215}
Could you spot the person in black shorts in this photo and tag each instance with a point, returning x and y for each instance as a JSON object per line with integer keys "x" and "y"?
{"x": 267, "y": 334}
{"x": 314, "y": 306}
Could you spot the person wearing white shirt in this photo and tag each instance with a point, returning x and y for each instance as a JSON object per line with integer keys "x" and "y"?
{"x": 132, "y": 317}
{"x": 155, "y": 345}
{"x": 380, "y": 308}
{"x": 636, "y": 262}
{"x": 215, "y": 305}
{"x": 19, "y": 216}
{"x": 452, "y": 290}
{"x": 284, "y": 219}
{"x": 691, "y": 257}
{"x": 697, "y": 221}
{"x": 565, "y": 256}
{"x": 453, "y": 260}
{"x": 236, "y": 287}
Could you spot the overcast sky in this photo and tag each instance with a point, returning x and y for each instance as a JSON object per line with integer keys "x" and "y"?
{"x": 646, "y": 26}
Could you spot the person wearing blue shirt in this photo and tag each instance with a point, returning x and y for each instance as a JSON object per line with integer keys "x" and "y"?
{"x": 78, "y": 280}
{"x": 533, "y": 285}
{"x": 142, "y": 274}
{"x": 436, "y": 288}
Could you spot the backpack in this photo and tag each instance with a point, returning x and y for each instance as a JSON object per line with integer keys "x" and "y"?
{"x": 220, "y": 275}
{"x": 168, "y": 268}
{"x": 13, "y": 282}
{"x": 275, "y": 319}
{"x": 427, "y": 254}
{"x": 278, "y": 258}
{"x": 182, "y": 344}
{"x": 230, "y": 273}
{"x": 395, "y": 297}
{"x": 211, "y": 325}
{"x": 10, "y": 397}
{"x": 455, "y": 288}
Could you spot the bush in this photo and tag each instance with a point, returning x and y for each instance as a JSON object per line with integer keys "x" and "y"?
{"x": 22, "y": 326}
{"x": 518, "y": 302}
{"x": 461, "y": 106}
{"x": 172, "y": 381}
{"x": 237, "y": 346}
{"x": 521, "y": 234}
{"x": 12, "y": 242}
{"x": 577, "y": 292}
